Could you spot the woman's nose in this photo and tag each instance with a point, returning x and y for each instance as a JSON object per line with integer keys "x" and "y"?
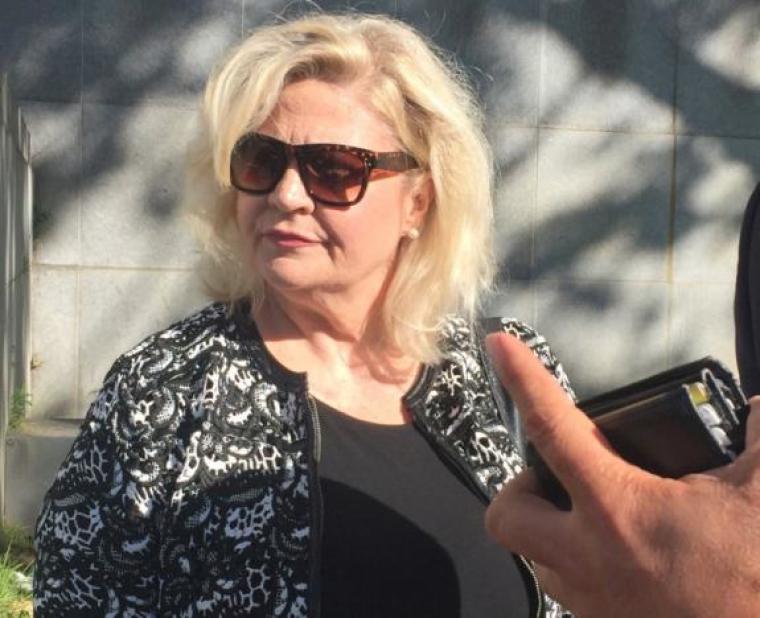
{"x": 289, "y": 194}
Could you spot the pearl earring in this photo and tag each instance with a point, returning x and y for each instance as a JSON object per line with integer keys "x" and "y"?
{"x": 413, "y": 234}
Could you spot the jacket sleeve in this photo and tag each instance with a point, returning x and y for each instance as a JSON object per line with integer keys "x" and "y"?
{"x": 536, "y": 342}
{"x": 96, "y": 537}
{"x": 540, "y": 347}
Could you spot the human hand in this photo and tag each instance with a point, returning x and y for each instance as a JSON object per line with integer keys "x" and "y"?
{"x": 634, "y": 544}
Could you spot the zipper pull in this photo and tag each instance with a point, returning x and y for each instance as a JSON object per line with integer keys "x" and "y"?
{"x": 316, "y": 429}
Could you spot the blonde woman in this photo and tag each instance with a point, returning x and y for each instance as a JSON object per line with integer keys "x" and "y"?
{"x": 322, "y": 440}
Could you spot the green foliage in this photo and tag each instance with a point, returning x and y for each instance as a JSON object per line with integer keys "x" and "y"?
{"x": 18, "y": 541}
{"x": 15, "y": 572}
{"x": 15, "y": 593}
{"x": 21, "y": 401}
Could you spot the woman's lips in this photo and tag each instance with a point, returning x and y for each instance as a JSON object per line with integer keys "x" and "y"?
{"x": 288, "y": 239}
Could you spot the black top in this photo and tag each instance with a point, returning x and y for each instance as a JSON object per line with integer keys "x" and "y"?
{"x": 403, "y": 536}
{"x": 747, "y": 300}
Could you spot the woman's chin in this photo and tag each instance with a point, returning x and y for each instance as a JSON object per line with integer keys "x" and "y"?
{"x": 288, "y": 279}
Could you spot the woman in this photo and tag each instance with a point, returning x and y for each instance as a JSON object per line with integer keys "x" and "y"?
{"x": 322, "y": 440}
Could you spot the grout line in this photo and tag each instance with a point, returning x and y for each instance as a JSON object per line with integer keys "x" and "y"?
{"x": 533, "y": 218}
{"x": 543, "y": 16}
{"x": 624, "y": 131}
{"x": 87, "y": 267}
{"x": 673, "y": 201}
{"x": 669, "y": 294}
{"x": 77, "y": 291}
{"x": 80, "y": 178}
{"x": 181, "y": 104}
{"x": 686, "y": 132}
{"x": 81, "y": 51}
{"x": 672, "y": 205}
{"x": 676, "y": 61}
{"x": 632, "y": 282}
{"x": 543, "y": 9}
{"x": 77, "y": 344}
{"x": 673, "y": 131}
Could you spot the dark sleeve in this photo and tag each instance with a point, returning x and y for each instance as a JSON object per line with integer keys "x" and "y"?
{"x": 96, "y": 536}
{"x": 747, "y": 299}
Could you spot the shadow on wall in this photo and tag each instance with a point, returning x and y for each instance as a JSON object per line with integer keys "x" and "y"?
{"x": 639, "y": 105}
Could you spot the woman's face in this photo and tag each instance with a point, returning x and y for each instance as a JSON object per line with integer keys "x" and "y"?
{"x": 299, "y": 246}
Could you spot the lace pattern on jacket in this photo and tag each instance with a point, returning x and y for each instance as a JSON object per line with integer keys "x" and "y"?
{"x": 187, "y": 491}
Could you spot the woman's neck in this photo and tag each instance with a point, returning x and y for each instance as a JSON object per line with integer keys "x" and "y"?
{"x": 346, "y": 368}
{"x": 338, "y": 337}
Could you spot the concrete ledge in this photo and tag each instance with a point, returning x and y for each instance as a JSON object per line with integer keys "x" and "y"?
{"x": 32, "y": 456}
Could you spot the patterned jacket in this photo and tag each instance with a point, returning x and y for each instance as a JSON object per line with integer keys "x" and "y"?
{"x": 192, "y": 489}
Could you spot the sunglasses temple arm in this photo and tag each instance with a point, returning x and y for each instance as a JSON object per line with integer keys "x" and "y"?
{"x": 395, "y": 162}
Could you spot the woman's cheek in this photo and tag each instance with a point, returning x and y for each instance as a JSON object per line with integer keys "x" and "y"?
{"x": 247, "y": 213}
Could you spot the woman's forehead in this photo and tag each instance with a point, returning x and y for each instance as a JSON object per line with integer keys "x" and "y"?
{"x": 310, "y": 111}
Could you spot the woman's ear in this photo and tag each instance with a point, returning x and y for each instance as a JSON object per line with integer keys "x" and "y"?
{"x": 422, "y": 197}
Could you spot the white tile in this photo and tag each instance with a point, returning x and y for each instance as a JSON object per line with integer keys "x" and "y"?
{"x": 715, "y": 179}
{"x": 506, "y": 48}
{"x": 702, "y": 323}
{"x": 608, "y": 65}
{"x": 158, "y": 51}
{"x": 134, "y": 169}
{"x": 605, "y": 334}
{"x": 54, "y": 343}
{"x": 56, "y": 133}
{"x": 41, "y": 48}
{"x": 513, "y": 299}
{"x": 603, "y": 206}
{"x": 719, "y": 68}
{"x": 119, "y": 308}
{"x": 515, "y": 201}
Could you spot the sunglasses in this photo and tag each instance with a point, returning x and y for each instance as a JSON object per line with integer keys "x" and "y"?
{"x": 332, "y": 174}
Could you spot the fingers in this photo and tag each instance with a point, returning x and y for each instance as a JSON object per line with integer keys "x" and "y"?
{"x": 753, "y": 422}
{"x": 525, "y": 523}
{"x": 745, "y": 470}
{"x": 568, "y": 441}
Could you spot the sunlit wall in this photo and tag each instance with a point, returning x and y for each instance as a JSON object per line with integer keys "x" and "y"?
{"x": 627, "y": 137}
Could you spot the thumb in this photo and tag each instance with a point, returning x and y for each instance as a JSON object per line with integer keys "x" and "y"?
{"x": 571, "y": 445}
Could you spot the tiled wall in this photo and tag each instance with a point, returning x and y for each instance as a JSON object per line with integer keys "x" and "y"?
{"x": 627, "y": 136}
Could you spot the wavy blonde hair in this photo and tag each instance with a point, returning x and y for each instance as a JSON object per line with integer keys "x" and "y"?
{"x": 423, "y": 95}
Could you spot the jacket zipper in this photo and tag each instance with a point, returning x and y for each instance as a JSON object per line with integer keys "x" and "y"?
{"x": 441, "y": 446}
{"x": 316, "y": 429}
{"x": 315, "y": 454}
{"x": 531, "y": 572}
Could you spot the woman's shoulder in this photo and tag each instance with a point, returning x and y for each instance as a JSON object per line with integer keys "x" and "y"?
{"x": 159, "y": 377}
{"x": 459, "y": 333}
{"x": 183, "y": 344}
{"x": 515, "y": 327}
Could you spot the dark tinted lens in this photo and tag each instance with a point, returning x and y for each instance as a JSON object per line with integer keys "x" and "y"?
{"x": 332, "y": 176}
{"x": 258, "y": 163}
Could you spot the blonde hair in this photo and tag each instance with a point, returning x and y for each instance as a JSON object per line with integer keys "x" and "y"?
{"x": 423, "y": 96}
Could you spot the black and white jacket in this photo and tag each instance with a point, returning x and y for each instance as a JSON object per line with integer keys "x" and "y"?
{"x": 192, "y": 489}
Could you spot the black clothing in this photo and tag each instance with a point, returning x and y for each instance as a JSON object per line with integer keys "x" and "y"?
{"x": 192, "y": 489}
{"x": 402, "y": 536}
{"x": 747, "y": 299}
